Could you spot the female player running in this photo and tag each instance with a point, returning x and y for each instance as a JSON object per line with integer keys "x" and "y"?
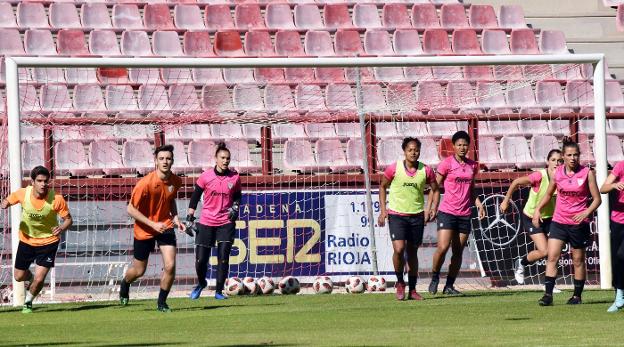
{"x": 575, "y": 184}
{"x": 615, "y": 181}
{"x": 221, "y": 188}
{"x": 539, "y": 182}
{"x": 457, "y": 173}
{"x": 407, "y": 213}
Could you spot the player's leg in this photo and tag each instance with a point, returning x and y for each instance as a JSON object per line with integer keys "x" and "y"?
{"x": 458, "y": 243}
{"x": 398, "y": 261}
{"x": 225, "y": 239}
{"x": 617, "y": 264}
{"x": 555, "y": 245}
{"x": 168, "y": 252}
{"x": 204, "y": 241}
{"x": 414, "y": 240}
{"x": 444, "y": 243}
{"x": 578, "y": 259}
{"x": 142, "y": 250}
{"x": 540, "y": 242}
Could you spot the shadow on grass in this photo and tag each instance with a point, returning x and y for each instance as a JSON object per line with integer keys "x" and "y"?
{"x": 41, "y": 344}
{"x": 75, "y": 309}
{"x": 256, "y": 344}
{"x": 471, "y": 295}
{"x": 138, "y": 345}
{"x": 518, "y": 318}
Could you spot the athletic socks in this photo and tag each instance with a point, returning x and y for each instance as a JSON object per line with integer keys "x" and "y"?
{"x": 124, "y": 289}
{"x": 399, "y": 276}
{"x": 450, "y": 281}
{"x": 411, "y": 280}
{"x": 435, "y": 276}
{"x": 524, "y": 261}
{"x": 549, "y": 283}
{"x": 162, "y": 297}
{"x": 619, "y": 297}
{"x": 578, "y": 287}
{"x": 29, "y": 297}
{"x": 223, "y": 267}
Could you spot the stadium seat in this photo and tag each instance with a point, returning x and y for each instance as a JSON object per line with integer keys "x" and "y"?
{"x": 453, "y": 16}
{"x": 30, "y": 133}
{"x": 386, "y": 130}
{"x": 429, "y": 154}
{"x": 616, "y": 126}
{"x": 95, "y": 16}
{"x": 522, "y": 41}
{"x": 495, "y": 42}
{"x": 537, "y": 71}
{"x": 587, "y": 152}
{"x": 348, "y": 43}
{"x": 308, "y": 17}
{"x": 478, "y": 73}
{"x": 181, "y": 165}
{"x": 377, "y": 42}
{"x": 522, "y": 96}
{"x": 241, "y": 157}
{"x": 31, "y": 15}
{"x": 218, "y": 17}
{"x": 188, "y": 17}
{"x": 278, "y": 97}
{"x": 613, "y": 94}
{"x": 288, "y": 43}
{"x": 346, "y": 131}
{"x": 529, "y": 127}
{"x": 482, "y": 16}
{"x": 120, "y": 98}
{"x": 258, "y": 43}
{"x": 7, "y": 18}
{"x": 354, "y": 153}
{"x": 553, "y": 42}
{"x": 414, "y": 129}
{"x": 127, "y": 17}
{"x": 309, "y": 97}
{"x": 279, "y": 16}
{"x": 70, "y": 159}
{"x": 460, "y": 95}
{"x": 489, "y": 154}
{"x": 424, "y": 16}
{"x": 157, "y": 17}
{"x": 579, "y": 93}
{"x": 104, "y": 155}
{"x": 188, "y": 132}
{"x": 331, "y": 154}
{"x": 11, "y": 42}
{"x": 29, "y": 102}
{"x": 248, "y": 17}
{"x": 340, "y": 97}
{"x": 201, "y": 153}
{"x": 63, "y": 15}
{"x": 373, "y": 99}
{"x": 418, "y": 74}
{"x": 88, "y": 98}
{"x": 228, "y": 44}
{"x": 465, "y": 42}
{"x": 216, "y": 98}
{"x": 442, "y": 129}
{"x": 586, "y": 126}
{"x": 407, "y": 42}
{"x": 135, "y": 43}
{"x": 395, "y": 16}
{"x": 104, "y": 43}
{"x": 619, "y": 18}
{"x": 32, "y": 155}
{"x": 435, "y": 41}
{"x": 183, "y": 97}
{"x": 55, "y": 98}
{"x": 284, "y": 132}
{"x": 559, "y": 127}
{"x": 238, "y": 76}
{"x": 337, "y": 16}
{"x": 430, "y": 95}
{"x": 549, "y": 94}
{"x": 388, "y": 152}
{"x": 71, "y": 42}
{"x": 176, "y": 75}
{"x": 226, "y": 131}
{"x": 316, "y": 131}
{"x": 318, "y": 43}
{"x": 514, "y": 149}
{"x": 247, "y": 98}
{"x": 512, "y": 16}
{"x": 138, "y": 154}
{"x": 541, "y": 145}
{"x": 329, "y": 74}
{"x": 614, "y": 150}
{"x": 366, "y": 16}
{"x": 197, "y": 44}
{"x": 167, "y": 44}
{"x": 298, "y": 156}
{"x": 269, "y": 75}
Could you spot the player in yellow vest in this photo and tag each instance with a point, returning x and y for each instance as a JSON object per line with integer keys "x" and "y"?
{"x": 538, "y": 181}
{"x": 407, "y": 213}
{"x": 39, "y": 230}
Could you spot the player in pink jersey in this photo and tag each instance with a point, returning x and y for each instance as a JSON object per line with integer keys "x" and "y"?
{"x": 457, "y": 173}
{"x": 575, "y": 184}
{"x": 221, "y": 188}
{"x": 615, "y": 183}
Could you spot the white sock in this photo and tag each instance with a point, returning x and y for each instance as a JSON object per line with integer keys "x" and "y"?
{"x": 29, "y": 297}
{"x": 619, "y": 295}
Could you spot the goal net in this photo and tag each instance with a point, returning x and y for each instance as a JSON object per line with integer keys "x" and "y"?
{"x": 306, "y": 139}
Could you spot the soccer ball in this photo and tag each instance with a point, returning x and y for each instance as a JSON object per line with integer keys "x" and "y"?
{"x": 323, "y": 285}
{"x": 250, "y": 285}
{"x": 289, "y": 285}
{"x": 354, "y": 285}
{"x": 266, "y": 285}
{"x": 234, "y": 286}
{"x": 376, "y": 284}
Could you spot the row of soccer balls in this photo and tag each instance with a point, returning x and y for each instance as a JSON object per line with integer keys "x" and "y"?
{"x": 290, "y": 285}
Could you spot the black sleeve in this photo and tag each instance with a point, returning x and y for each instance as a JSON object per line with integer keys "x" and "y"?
{"x": 238, "y": 195}
{"x": 197, "y": 193}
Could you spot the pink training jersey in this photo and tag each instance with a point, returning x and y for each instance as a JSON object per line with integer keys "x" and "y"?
{"x": 536, "y": 180}
{"x": 218, "y": 196}
{"x": 457, "y": 185}
{"x": 572, "y": 194}
{"x": 390, "y": 171}
{"x": 617, "y": 213}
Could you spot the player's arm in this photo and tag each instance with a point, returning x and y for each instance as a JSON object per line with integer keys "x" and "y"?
{"x": 518, "y": 182}
{"x": 537, "y": 215}
{"x": 596, "y": 199}
{"x": 140, "y": 217}
{"x": 237, "y": 195}
{"x": 10, "y": 200}
{"x": 67, "y": 223}
{"x": 477, "y": 200}
{"x": 5, "y": 204}
{"x": 174, "y": 214}
{"x": 60, "y": 206}
{"x": 383, "y": 212}
{"x": 433, "y": 199}
{"x": 611, "y": 184}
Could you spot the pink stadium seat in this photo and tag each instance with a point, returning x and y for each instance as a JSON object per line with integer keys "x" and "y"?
{"x": 197, "y": 44}
{"x": 330, "y": 154}
{"x": 181, "y": 164}
{"x": 512, "y": 16}
{"x": 614, "y": 150}
{"x": 389, "y": 74}
{"x": 318, "y": 43}
{"x": 346, "y": 131}
{"x": 71, "y": 42}
{"x": 55, "y": 97}
{"x": 579, "y": 93}
{"x": 377, "y": 42}
{"x": 407, "y": 42}
{"x": 414, "y": 129}
{"x": 366, "y": 16}
{"x": 514, "y": 149}
{"x": 144, "y": 75}
{"x": 465, "y": 42}
{"x": 201, "y": 153}
{"x": 308, "y": 97}
{"x": 48, "y": 75}
{"x": 176, "y": 75}
{"x": 587, "y": 153}
{"x": 395, "y": 16}
{"x": 11, "y": 42}
{"x": 435, "y": 41}
{"x": 247, "y": 98}
{"x": 418, "y": 73}
{"x": 248, "y": 16}
{"x": 283, "y": 132}
{"x": 31, "y": 134}
{"x": 279, "y": 16}
{"x": 135, "y": 43}
{"x": 460, "y": 94}
{"x": 218, "y": 16}
{"x": 104, "y": 43}
{"x": 157, "y": 17}
{"x": 495, "y": 42}
{"x": 489, "y": 154}
{"x": 140, "y": 132}
{"x": 71, "y": 159}
{"x": 478, "y": 73}
{"x": 329, "y": 74}
{"x": 348, "y": 43}
{"x": 424, "y": 16}
{"x": 138, "y": 155}
{"x": 269, "y": 75}
{"x": 453, "y": 16}
{"x": 120, "y": 98}
{"x": 278, "y": 97}
{"x": 482, "y": 16}
{"x": 491, "y": 95}
{"x": 549, "y": 94}
{"x": 153, "y": 97}
{"x": 586, "y": 126}
{"x": 430, "y": 95}
{"x": 373, "y": 99}
{"x": 510, "y": 73}
{"x": 63, "y": 15}
{"x": 521, "y": 97}
{"x": 354, "y": 153}
{"x": 559, "y": 127}
{"x": 258, "y": 43}
{"x": 340, "y": 97}
{"x": 523, "y": 42}
{"x": 386, "y": 130}
{"x": 32, "y": 155}
{"x": 528, "y": 127}
{"x": 308, "y": 17}
{"x": 226, "y": 131}
{"x": 167, "y": 44}
{"x": 183, "y": 97}
{"x": 299, "y": 74}
{"x": 29, "y": 102}
{"x": 88, "y": 97}
{"x": 316, "y": 131}
{"x": 541, "y": 145}
{"x": 241, "y": 157}
{"x": 188, "y": 132}
{"x": 298, "y": 156}
{"x": 337, "y": 16}
{"x": 429, "y": 154}
{"x": 442, "y": 129}
{"x": 288, "y": 43}
{"x": 188, "y": 17}
{"x": 216, "y": 98}
{"x": 95, "y": 16}
{"x": 500, "y": 128}
{"x": 619, "y": 18}
{"x": 127, "y": 17}
{"x": 228, "y": 44}
{"x": 613, "y": 94}
{"x": 104, "y": 155}
{"x": 7, "y": 18}
{"x": 238, "y": 75}
{"x": 616, "y": 126}
{"x": 31, "y": 15}
{"x": 553, "y": 42}
{"x": 388, "y": 151}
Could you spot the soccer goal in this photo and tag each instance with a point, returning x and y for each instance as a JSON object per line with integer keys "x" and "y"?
{"x": 311, "y": 138}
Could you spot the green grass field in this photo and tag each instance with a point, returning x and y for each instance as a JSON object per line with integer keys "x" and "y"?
{"x": 480, "y": 319}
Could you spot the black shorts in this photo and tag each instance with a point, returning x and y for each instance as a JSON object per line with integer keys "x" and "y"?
{"x": 41, "y": 255}
{"x": 143, "y": 248}
{"x": 529, "y": 228}
{"x": 460, "y": 224}
{"x": 577, "y": 235}
{"x": 208, "y": 236}
{"x": 408, "y": 228}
